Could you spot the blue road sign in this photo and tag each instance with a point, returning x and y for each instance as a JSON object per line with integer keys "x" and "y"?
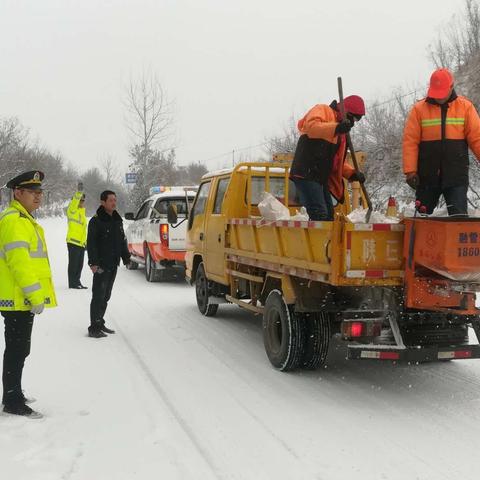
{"x": 131, "y": 177}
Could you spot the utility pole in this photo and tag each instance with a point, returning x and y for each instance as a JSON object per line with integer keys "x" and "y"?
{"x": 233, "y": 158}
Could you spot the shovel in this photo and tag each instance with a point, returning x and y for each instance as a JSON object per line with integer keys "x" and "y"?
{"x": 352, "y": 151}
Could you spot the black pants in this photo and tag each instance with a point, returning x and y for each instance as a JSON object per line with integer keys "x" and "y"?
{"x": 101, "y": 292}
{"x": 455, "y": 198}
{"x": 18, "y": 333}
{"x": 76, "y": 255}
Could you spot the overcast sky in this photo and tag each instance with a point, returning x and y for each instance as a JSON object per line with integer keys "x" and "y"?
{"x": 237, "y": 70}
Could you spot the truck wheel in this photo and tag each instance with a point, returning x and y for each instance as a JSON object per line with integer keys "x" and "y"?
{"x": 202, "y": 291}
{"x": 283, "y": 333}
{"x": 151, "y": 274}
{"x": 317, "y": 339}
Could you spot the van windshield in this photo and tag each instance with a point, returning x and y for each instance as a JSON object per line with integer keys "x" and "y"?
{"x": 161, "y": 206}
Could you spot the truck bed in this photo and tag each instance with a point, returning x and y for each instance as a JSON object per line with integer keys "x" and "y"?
{"x": 337, "y": 253}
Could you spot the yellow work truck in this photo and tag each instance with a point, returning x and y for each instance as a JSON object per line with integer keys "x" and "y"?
{"x": 311, "y": 280}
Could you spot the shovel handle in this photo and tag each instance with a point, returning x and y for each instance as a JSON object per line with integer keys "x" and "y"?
{"x": 352, "y": 150}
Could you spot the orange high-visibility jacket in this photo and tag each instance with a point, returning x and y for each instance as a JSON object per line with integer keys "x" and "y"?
{"x": 436, "y": 140}
{"x": 320, "y": 154}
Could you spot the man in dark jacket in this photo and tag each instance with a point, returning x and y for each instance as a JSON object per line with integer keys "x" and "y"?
{"x": 106, "y": 244}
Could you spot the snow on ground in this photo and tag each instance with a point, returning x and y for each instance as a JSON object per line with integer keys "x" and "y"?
{"x": 174, "y": 395}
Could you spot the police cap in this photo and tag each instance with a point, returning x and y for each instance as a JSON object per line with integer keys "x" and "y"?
{"x": 32, "y": 180}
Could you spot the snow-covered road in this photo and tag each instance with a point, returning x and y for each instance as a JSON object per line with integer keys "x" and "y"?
{"x": 174, "y": 395}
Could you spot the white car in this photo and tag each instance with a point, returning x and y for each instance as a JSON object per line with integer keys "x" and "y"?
{"x": 154, "y": 242}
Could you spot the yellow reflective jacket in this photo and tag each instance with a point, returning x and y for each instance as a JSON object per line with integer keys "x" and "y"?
{"x": 25, "y": 276}
{"x": 77, "y": 222}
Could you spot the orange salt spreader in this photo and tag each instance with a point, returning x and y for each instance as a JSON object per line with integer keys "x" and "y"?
{"x": 442, "y": 264}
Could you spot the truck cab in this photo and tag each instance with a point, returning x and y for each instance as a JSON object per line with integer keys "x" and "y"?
{"x": 155, "y": 243}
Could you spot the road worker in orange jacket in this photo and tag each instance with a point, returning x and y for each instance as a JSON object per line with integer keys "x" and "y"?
{"x": 438, "y": 132}
{"x": 319, "y": 166}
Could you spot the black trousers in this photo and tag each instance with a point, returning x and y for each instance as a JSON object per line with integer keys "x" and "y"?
{"x": 76, "y": 255}
{"x": 455, "y": 198}
{"x": 18, "y": 334}
{"x": 101, "y": 292}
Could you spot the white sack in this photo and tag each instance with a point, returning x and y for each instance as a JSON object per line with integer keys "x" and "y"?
{"x": 271, "y": 209}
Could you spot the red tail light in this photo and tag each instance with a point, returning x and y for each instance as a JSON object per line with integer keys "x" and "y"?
{"x": 353, "y": 329}
{"x": 361, "y": 329}
{"x": 164, "y": 234}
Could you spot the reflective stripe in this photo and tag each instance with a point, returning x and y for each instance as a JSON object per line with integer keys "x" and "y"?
{"x": 70, "y": 240}
{"x": 2, "y": 254}
{"x": 433, "y": 122}
{"x": 75, "y": 221}
{"x": 40, "y": 254}
{"x": 12, "y": 245}
{"x": 11, "y": 212}
{"x": 32, "y": 288}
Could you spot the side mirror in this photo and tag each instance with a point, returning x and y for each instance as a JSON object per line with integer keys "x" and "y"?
{"x": 129, "y": 216}
{"x": 172, "y": 215}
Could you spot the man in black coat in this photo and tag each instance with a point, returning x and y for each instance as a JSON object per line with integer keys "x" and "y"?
{"x": 106, "y": 244}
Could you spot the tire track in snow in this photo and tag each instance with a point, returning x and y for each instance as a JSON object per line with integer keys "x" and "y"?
{"x": 212, "y": 352}
{"x": 176, "y": 414}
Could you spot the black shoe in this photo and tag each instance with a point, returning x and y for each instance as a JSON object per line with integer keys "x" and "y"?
{"x": 28, "y": 400}
{"x": 23, "y": 410}
{"x": 79, "y": 287}
{"x": 96, "y": 334}
{"x": 107, "y": 330}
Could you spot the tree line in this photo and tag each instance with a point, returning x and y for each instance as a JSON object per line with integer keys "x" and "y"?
{"x": 20, "y": 153}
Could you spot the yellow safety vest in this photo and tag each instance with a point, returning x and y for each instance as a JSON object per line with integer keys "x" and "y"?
{"x": 77, "y": 222}
{"x": 25, "y": 275}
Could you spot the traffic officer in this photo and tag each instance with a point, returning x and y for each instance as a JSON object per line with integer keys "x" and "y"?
{"x": 438, "y": 133}
{"x": 26, "y": 285}
{"x": 76, "y": 237}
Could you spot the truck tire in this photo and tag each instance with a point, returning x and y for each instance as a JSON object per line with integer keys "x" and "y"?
{"x": 317, "y": 339}
{"x": 202, "y": 291}
{"x": 283, "y": 333}
{"x": 151, "y": 274}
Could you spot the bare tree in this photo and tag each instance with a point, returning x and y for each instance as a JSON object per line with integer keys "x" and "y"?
{"x": 459, "y": 39}
{"x": 285, "y": 142}
{"x": 110, "y": 169}
{"x": 149, "y": 121}
{"x": 149, "y": 113}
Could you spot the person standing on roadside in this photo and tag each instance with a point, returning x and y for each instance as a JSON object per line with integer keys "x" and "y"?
{"x": 106, "y": 245}
{"x": 26, "y": 285}
{"x": 76, "y": 237}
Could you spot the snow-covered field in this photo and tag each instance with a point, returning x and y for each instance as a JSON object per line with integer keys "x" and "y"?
{"x": 174, "y": 395}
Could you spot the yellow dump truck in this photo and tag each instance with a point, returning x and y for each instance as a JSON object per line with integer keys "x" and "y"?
{"x": 311, "y": 280}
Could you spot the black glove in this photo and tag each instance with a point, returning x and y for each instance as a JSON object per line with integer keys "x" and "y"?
{"x": 343, "y": 127}
{"x": 412, "y": 180}
{"x": 357, "y": 177}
